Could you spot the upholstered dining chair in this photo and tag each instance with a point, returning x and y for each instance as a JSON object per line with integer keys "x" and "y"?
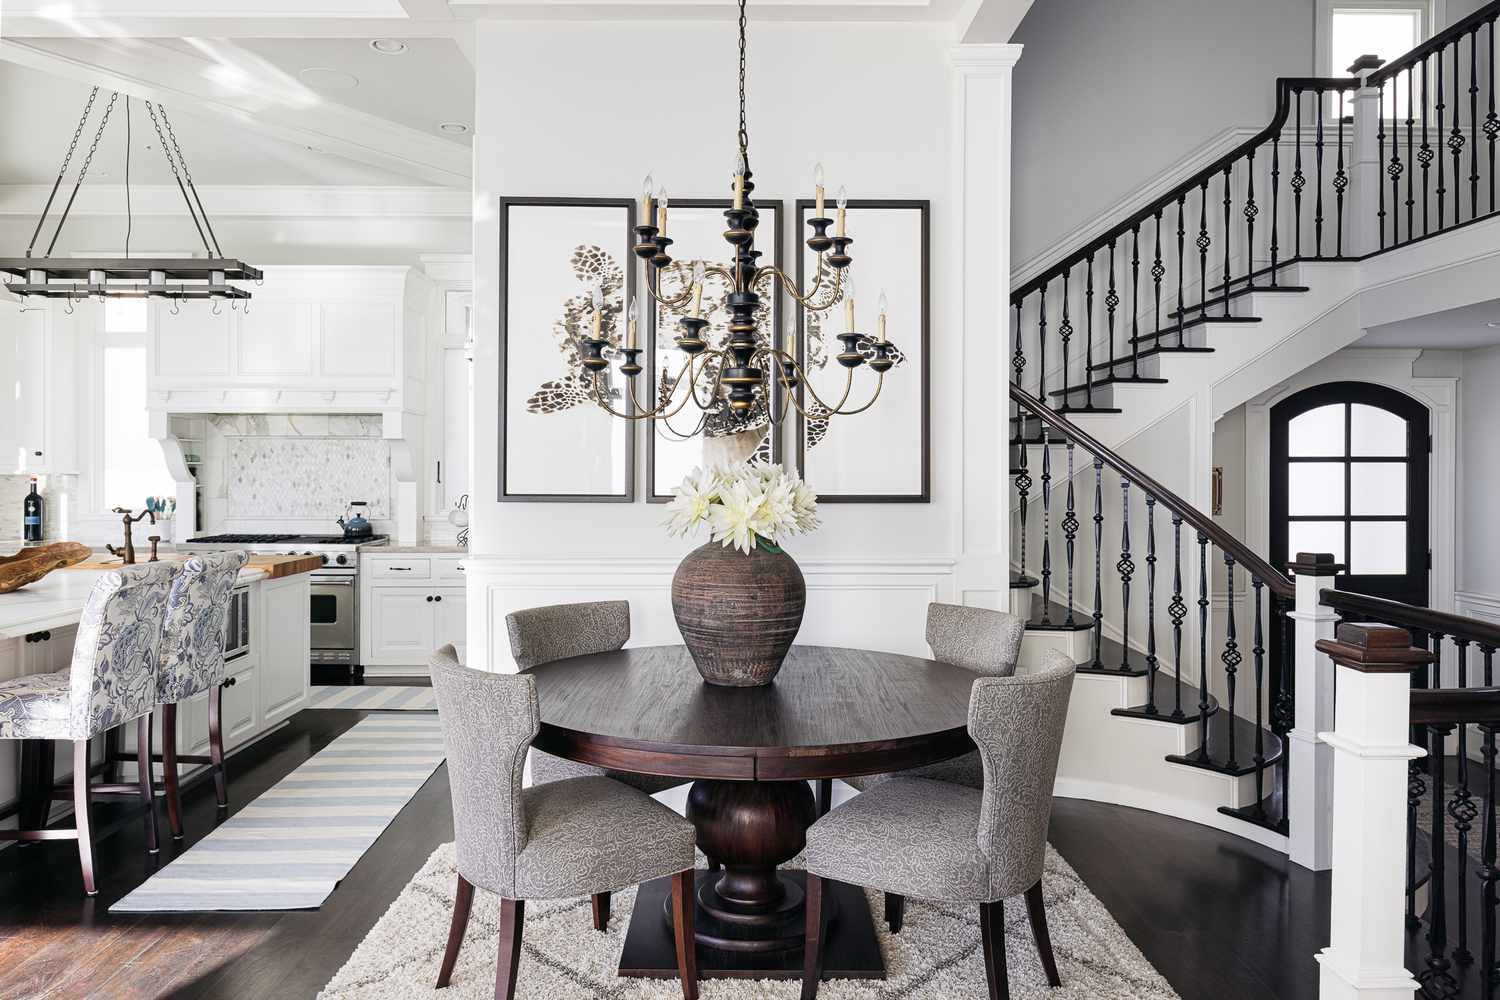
{"x": 938, "y": 840}
{"x": 111, "y": 681}
{"x": 573, "y": 837}
{"x": 986, "y": 642}
{"x": 192, "y": 661}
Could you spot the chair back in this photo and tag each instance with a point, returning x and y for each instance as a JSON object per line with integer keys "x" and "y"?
{"x": 112, "y": 679}
{"x": 986, "y": 642}
{"x": 1017, "y": 723}
{"x": 489, "y": 721}
{"x": 558, "y": 631}
{"x": 192, "y": 651}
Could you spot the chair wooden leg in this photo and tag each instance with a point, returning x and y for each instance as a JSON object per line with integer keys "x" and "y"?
{"x": 512, "y": 916}
{"x": 169, "y": 768}
{"x": 992, "y": 933}
{"x": 216, "y": 744}
{"x": 462, "y": 903}
{"x": 38, "y": 760}
{"x": 684, "y": 905}
{"x": 144, "y": 778}
{"x": 812, "y": 947}
{"x": 825, "y": 796}
{"x": 1038, "y": 913}
{"x": 113, "y": 741}
{"x": 600, "y": 903}
{"x": 81, "y": 815}
{"x": 895, "y": 911}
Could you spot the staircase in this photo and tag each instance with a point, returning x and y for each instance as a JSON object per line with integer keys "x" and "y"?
{"x": 1129, "y": 347}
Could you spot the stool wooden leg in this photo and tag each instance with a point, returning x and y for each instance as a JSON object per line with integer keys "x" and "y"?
{"x": 895, "y": 911}
{"x": 169, "y": 768}
{"x": 216, "y": 744}
{"x": 462, "y": 903}
{"x": 81, "y": 815}
{"x": 1038, "y": 913}
{"x": 113, "y": 741}
{"x": 144, "y": 778}
{"x": 992, "y": 933}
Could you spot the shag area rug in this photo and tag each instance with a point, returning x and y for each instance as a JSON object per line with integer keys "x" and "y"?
{"x": 937, "y": 955}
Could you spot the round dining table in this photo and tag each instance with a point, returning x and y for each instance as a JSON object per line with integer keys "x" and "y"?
{"x": 750, "y": 753}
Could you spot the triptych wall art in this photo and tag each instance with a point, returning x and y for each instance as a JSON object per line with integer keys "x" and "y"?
{"x": 558, "y": 443}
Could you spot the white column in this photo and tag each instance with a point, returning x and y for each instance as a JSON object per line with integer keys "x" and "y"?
{"x": 1367, "y": 934}
{"x": 982, "y": 135}
{"x": 1365, "y": 166}
{"x": 1310, "y": 781}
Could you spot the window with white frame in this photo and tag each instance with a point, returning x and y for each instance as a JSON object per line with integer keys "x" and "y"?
{"x": 131, "y": 465}
{"x": 1349, "y": 29}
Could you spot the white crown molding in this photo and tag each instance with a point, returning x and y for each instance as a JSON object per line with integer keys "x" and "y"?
{"x": 250, "y": 201}
{"x": 989, "y": 58}
{"x": 448, "y": 266}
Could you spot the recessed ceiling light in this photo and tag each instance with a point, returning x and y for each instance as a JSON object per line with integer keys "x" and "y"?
{"x": 327, "y": 78}
{"x": 388, "y": 46}
{"x": 455, "y": 128}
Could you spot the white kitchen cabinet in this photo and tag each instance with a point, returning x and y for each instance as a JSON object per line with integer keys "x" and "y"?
{"x": 451, "y": 619}
{"x": 410, "y": 604}
{"x": 241, "y": 720}
{"x": 284, "y": 648}
{"x": 402, "y": 625}
{"x": 192, "y": 343}
{"x": 23, "y": 378}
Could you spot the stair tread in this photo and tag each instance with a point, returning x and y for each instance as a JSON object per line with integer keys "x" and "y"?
{"x": 1107, "y": 365}
{"x": 1022, "y": 581}
{"x": 1111, "y": 655}
{"x": 1047, "y": 614}
{"x": 1168, "y": 331}
{"x": 1269, "y": 813}
{"x": 1166, "y": 703}
{"x": 1218, "y": 747}
{"x": 1106, "y": 380}
{"x": 1221, "y": 299}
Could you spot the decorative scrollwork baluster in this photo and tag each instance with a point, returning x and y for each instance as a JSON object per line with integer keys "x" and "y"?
{"x": 1181, "y": 267}
{"x": 1158, "y": 271}
{"x": 1150, "y": 604}
{"x": 1088, "y": 332}
{"x": 1203, "y": 644}
{"x": 1473, "y": 123}
{"x": 1425, "y": 155}
{"x": 1023, "y": 490}
{"x": 1340, "y": 185}
{"x": 1436, "y": 976}
{"x": 1065, "y": 334}
{"x": 1070, "y": 532}
{"x": 1228, "y": 211}
{"x": 1298, "y": 181}
{"x": 1203, "y": 242}
{"x": 1380, "y": 158}
{"x": 1275, "y": 200}
{"x": 1177, "y": 610}
{"x": 1492, "y": 120}
{"x": 1111, "y": 303}
{"x": 1283, "y": 710}
{"x": 1318, "y": 183}
{"x": 1135, "y": 301}
{"x": 1098, "y": 661}
{"x": 1250, "y": 211}
{"x": 1041, "y": 347}
{"x": 1411, "y": 200}
{"x": 1231, "y": 655}
{"x": 1126, "y": 568}
{"x": 1487, "y": 872}
{"x": 1046, "y": 528}
{"x": 1461, "y": 807}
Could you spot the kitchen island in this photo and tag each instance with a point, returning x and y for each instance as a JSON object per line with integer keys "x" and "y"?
{"x": 267, "y": 680}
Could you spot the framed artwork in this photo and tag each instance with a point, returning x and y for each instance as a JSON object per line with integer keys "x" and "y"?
{"x": 881, "y": 455}
{"x": 692, "y": 438}
{"x": 557, "y": 442}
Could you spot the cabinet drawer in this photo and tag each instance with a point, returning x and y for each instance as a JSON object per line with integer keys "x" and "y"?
{"x": 449, "y": 569}
{"x": 418, "y": 568}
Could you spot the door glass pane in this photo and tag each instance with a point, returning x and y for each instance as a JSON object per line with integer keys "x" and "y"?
{"x": 1319, "y": 431}
{"x": 1379, "y": 547}
{"x": 1373, "y": 431}
{"x": 1315, "y": 488}
{"x": 1316, "y": 536}
{"x": 1377, "y": 488}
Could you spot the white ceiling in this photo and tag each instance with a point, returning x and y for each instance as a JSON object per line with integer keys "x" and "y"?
{"x": 1459, "y": 329}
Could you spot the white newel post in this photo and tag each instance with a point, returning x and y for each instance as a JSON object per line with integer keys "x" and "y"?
{"x": 1367, "y": 933}
{"x": 1310, "y": 780}
{"x": 1365, "y": 169}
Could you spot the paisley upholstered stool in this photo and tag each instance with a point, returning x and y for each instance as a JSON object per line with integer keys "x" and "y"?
{"x": 112, "y": 681}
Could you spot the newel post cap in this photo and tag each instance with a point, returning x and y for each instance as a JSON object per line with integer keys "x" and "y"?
{"x": 1372, "y": 648}
{"x": 1315, "y": 564}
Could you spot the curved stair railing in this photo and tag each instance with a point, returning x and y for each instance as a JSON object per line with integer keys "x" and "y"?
{"x": 1230, "y": 744}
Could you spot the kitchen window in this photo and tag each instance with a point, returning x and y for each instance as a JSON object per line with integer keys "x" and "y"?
{"x": 131, "y": 463}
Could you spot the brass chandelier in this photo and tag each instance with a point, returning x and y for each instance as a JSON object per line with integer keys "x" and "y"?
{"x": 738, "y": 377}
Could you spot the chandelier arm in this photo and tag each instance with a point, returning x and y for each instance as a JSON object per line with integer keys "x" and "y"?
{"x": 848, "y": 385}
{"x": 83, "y": 171}
{"x": 177, "y": 176}
{"x": 88, "y": 109}
{"x": 805, "y": 298}
{"x": 880, "y": 382}
{"x": 713, "y": 390}
{"x": 670, "y": 301}
{"x": 599, "y": 400}
{"x": 186, "y": 174}
{"x": 666, "y": 421}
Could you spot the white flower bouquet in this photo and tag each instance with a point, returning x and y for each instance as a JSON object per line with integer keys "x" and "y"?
{"x": 747, "y": 506}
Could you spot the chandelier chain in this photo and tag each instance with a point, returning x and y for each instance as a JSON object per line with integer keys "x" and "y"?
{"x": 78, "y": 133}
{"x": 744, "y": 131}
{"x": 187, "y": 175}
{"x": 89, "y": 156}
{"x": 162, "y": 140}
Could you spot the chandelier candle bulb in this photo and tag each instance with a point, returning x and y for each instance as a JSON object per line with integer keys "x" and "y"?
{"x": 843, "y": 204}
{"x": 698, "y": 290}
{"x": 739, "y": 169}
{"x": 880, "y": 323}
{"x": 598, "y": 300}
{"x": 661, "y": 212}
{"x": 630, "y": 326}
{"x": 849, "y": 305}
{"x": 646, "y": 199}
{"x": 818, "y": 188}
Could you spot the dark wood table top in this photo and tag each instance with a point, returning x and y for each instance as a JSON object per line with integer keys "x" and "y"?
{"x": 830, "y": 713}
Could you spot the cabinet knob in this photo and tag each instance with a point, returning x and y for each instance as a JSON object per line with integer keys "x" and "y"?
{"x": 429, "y": 598}
{"x": 438, "y": 597}
{"x": 230, "y": 682}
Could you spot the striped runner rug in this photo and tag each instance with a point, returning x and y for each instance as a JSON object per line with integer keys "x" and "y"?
{"x": 289, "y": 848}
{"x": 374, "y": 698}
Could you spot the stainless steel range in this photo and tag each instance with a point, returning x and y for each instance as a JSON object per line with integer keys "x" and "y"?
{"x": 335, "y": 585}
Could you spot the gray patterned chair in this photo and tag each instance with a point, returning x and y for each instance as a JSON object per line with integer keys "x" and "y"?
{"x": 986, "y": 642}
{"x": 937, "y": 840}
{"x": 574, "y": 837}
{"x": 192, "y": 661}
{"x": 111, "y": 681}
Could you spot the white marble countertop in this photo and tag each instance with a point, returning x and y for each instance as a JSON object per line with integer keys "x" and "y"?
{"x": 57, "y": 599}
{"x": 396, "y": 550}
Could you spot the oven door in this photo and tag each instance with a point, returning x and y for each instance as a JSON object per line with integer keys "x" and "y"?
{"x": 335, "y": 628}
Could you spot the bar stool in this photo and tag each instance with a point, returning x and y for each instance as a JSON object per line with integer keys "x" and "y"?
{"x": 112, "y": 681}
{"x": 192, "y": 661}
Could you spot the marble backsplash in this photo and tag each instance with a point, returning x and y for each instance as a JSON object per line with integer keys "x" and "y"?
{"x": 59, "y": 493}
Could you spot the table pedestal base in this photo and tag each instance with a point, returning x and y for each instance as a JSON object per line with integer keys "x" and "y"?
{"x": 851, "y": 952}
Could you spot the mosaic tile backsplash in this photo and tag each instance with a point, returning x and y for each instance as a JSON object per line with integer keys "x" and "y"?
{"x": 284, "y": 467}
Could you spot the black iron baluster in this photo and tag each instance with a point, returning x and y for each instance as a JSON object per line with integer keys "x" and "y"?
{"x": 1018, "y": 363}
{"x": 1135, "y": 302}
{"x": 1041, "y": 348}
{"x": 1318, "y": 185}
{"x": 1150, "y": 604}
{"x": 1393, "y": 170}
{"x": 1416, "y": 787}
{"x": 1258, "y": 658}
{"x": 1275, "y": 200}
{"x": 1126, "y": 569}
{"x": 1298, "y": 182}
{"x": 1340, "y": 185}
{"x": 1177, "y": 610}
{"x": 1203, "y": 243}
{"x": 1070, "y": 532}
{"x": 1203, "y": 644}
{"x": 1492, "y": 120}
{"x": 1181, "y": 266}
{"x": 1088, "y": 342}
{"x": 1023, "y": 490}
{"x": 1158, "y": 270}
{"x": 1487, "y": 873}
{"x": 1046, "y": 527}
{"x": 1098, "y": 661}
{"x": 1411, "y": 201}
{"x": 1474, "y": 123}
{"x": 1111, "y": 302}
{"x": 1379, "y": 159}
{"x": 1228, "y": 204}
{"x": 1441, "y": 179}
{"x": 1436, "y": 979}
{"x": 1461, "y": 808}
{"x": 1284, "y": 711}
{"x": 1231, "y": 655}
{"x": 1425, "y": 154}
{"x": 1456, "y": 146}
{"x": 1065, "y": 334}
{"x": 1251, "y": 210}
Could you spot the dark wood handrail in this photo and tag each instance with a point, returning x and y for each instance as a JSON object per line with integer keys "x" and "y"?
{"x": 1455, "y": 705}
{"x": 1440, "y": 40}
{"x": 1253, "y": 564}
{"x": 1285, "y": 86}
{"x": 1486, "y": 634}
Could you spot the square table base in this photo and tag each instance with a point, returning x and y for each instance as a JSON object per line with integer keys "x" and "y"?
{"x": 852, "y": 950}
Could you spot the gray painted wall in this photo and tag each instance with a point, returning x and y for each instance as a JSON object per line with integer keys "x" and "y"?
{"x": 1478, "y": 473}
{"x": 1109, "y": 93}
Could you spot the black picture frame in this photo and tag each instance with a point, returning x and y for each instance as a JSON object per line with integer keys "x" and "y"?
{"x": 778, "y": 301}
{"x": 803, "y": 210}
{"x": 627, "y": 260}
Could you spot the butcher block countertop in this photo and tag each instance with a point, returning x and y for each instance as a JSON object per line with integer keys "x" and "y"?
{"x": 269, "y": 567}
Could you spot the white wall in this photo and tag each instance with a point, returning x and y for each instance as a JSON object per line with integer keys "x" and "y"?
{"x": 1479, "y": 475}
{"x": 563, "y": 110}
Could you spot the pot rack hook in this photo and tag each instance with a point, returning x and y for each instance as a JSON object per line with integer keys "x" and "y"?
{"x": 176, "y": 305}
{"x": 234, "y": 304}
{"x": 217, "y": 308}
{"x": 68, "y": 305}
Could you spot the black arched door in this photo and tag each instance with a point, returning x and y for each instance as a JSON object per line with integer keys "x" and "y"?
{"x": 1349, "y": 468}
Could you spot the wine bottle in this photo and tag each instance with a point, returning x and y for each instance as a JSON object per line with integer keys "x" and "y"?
{"x": 31, "y": 515}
